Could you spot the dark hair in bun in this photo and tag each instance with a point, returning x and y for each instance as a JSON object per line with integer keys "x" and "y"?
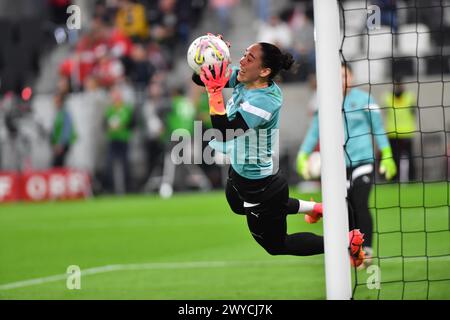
{"x": 274, "y": 59}
{"x": 287, "y": 61}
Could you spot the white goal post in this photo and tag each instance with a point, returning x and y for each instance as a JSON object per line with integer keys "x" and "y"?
{"x": 329, "y": 98}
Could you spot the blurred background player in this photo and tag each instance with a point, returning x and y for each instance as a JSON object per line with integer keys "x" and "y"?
{"x": 217, "y": 174}
{"x": 119, "y": 117}
{"x": 401, "y": 127}
{"x": 156, "y": 103}
{"x": 312, "y": 181}
{"x": 181, "y": 118}
{"x": 131, "y": 19}
{"x": 63, "y": 134}
{"x": 361, "y": 116}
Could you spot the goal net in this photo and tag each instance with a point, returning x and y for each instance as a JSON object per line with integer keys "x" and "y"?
{"x": 399, "y": 53}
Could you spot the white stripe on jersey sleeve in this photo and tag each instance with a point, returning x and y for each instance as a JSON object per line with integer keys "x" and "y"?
{"x": 247, "y": 107}
{"x": 374, "y": 107}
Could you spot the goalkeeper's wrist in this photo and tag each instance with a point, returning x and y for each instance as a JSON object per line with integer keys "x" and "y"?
{"x": 302, "y": 155}
{"x": 216, "y": 103}
{"x": 386, "y": 153}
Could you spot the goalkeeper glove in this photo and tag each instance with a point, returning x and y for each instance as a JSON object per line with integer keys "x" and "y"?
{"x": 387, "y": 164}
{"x": 302, "y": 165}
{"x": 214, "y": 85}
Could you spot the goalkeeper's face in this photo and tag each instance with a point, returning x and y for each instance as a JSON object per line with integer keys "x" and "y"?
{"x": 347, "y": 77}
{"x": 250, "y": 66}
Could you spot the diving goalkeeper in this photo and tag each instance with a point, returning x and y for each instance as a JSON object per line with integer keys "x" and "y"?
{"x": 255, "y": 188}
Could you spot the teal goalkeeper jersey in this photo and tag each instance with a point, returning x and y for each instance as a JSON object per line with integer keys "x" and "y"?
{"x": 362, "y": 122}
{"x": 251, "y": 154}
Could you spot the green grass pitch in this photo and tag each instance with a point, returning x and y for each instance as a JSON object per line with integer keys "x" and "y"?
{"x": 192, "y": 247}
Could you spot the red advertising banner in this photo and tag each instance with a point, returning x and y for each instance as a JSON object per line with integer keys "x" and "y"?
{"x": 9, "y": 186}
{"x": 45, "y": 185}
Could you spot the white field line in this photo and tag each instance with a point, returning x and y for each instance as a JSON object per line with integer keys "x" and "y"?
{"x": 155, "y": 266}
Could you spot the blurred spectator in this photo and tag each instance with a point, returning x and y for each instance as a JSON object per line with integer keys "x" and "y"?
{"x": 119, "y": 118}
{"x": 388, "y": 12}
{"x": 183, "y": 11}
{"x": 303, "y": 47}
{"x": 157, "y": 58}
{"x": 118, "y": 42}
{"x": 90, "y": 84}
{"x": 196, "y": 12}
{"x": 165, "y": 26}
{"x": 262, "y": 9}
{"x": 153, "y": 109}
{"x": 105, "y": 10}
{"x": 401, "y": 127}
{"x": 181, "y": 116}
{"x": 63, "y": 133}
{"x": 141, "y": 72}
{"x": 91, "y": 46}
{"x": 276, "y": 32}
{"x": 115, "y": 62}
{"x": 201, "y": 104}
{"x": 104, "y": 51}
{"x": 14, "y": 114}
{"x": 432, "y": 14}
{"x": 223, "y": 9}
{"x": 108, "y": 70}
{"x": 93, "y": 103}
{"x": 200, "y": 101}
{"x": 131, "y": 19}
{"x": 63, "y": 85}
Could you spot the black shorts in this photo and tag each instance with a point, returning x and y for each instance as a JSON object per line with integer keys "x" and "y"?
{"x": 270, "y": 195}
{"x": 265, "y": 202}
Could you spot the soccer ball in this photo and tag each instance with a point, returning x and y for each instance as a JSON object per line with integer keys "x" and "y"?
{"x": 207, "y": 50}
{"x": 314, "y": 165}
